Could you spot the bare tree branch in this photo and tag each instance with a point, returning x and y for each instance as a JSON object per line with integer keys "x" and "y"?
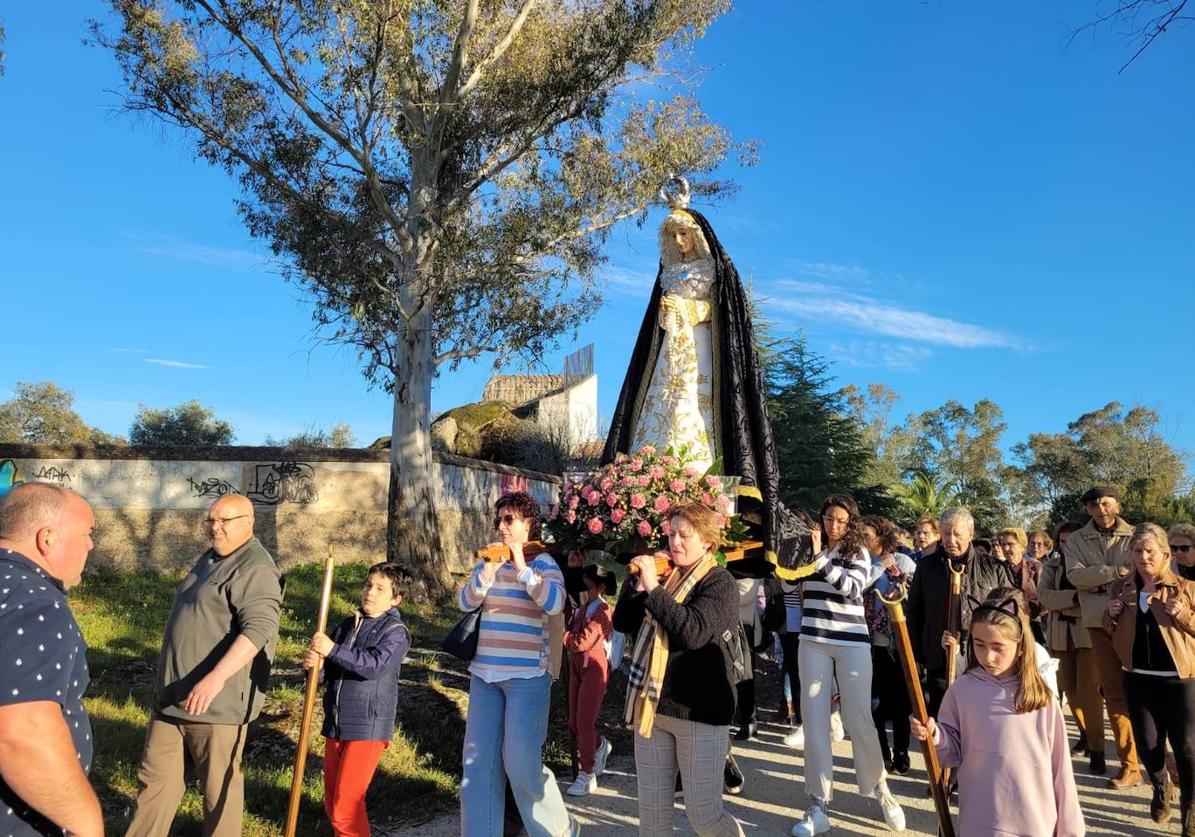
{"x": 499, "y": 49}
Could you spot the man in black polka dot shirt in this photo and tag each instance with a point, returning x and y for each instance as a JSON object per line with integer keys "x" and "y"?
{"x": 45, "y": 737}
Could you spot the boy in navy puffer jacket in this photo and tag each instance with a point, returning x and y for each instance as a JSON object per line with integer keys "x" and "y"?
{"x": 362, "y": 659}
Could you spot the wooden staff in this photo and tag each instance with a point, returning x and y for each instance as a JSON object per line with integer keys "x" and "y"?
{"x": 953, "y": 624}
{"x": 953, "y": 607}
{"x": 896, "y": 615}
{"x": 321, "y": 626}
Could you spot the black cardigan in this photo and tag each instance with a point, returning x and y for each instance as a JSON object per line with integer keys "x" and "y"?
{"x": 699, "y": 681}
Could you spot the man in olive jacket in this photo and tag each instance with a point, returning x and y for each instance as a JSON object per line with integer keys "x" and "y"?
{"x": 1096, "y": 556}
{"x": 929, "y": 596}
{"x": 212, "y": 675}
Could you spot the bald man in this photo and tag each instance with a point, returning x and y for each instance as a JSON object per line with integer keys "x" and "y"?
{"x": 45, "y": 736}
{"x": 212, "y": 676}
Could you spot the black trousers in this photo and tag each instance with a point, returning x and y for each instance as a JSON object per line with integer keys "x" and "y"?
{"x": 745, "y": 700}
{"x": 889, "y": 700}
{"x": 934, "y": 689}
{"x": 1162, "y": 709}
{"x": 789, "y": 644}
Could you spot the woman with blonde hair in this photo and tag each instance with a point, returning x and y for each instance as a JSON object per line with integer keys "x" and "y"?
{"x": 1026, "y": 571}
{"x": 1151, "y": 618}
{"x": 680, "y": 694}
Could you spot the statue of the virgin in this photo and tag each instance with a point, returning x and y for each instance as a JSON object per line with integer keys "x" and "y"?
{"x": 695, "y": 381}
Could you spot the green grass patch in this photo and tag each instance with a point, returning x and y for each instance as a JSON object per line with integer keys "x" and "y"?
{"x": 122, "y": 617}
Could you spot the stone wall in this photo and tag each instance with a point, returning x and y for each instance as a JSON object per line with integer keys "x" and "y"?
{"x": 149, "y": 502}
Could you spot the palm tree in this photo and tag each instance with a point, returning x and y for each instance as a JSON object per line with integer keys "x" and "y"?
{"x": 924, "y": 496}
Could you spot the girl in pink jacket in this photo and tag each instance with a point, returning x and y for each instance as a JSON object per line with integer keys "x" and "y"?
{"x": 1002, "y": 728}
{"x": 586, "y": 639}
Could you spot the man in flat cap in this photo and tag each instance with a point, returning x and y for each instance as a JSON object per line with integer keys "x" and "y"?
{"x": 1096, "y": 556}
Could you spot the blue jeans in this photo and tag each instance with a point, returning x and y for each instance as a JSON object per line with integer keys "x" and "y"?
{"x": 491, "y": 757}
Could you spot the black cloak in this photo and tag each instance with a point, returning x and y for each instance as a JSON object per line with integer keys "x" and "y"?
{"x": 742, "y": 431}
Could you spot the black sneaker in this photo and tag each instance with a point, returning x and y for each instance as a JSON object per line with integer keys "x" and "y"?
{"x": 900, "y": 764}
{"x": 732, "y": 777}
{"x": 1097, "y": 766}
{"x": 1080, "y": 748}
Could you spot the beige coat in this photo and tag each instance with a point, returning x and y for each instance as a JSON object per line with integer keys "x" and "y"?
{"x": 1095, "y": 561}
{"x": 1062, "y": 634}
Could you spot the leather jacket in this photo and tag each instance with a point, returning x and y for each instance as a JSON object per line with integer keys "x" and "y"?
{"x": 1178, "y": 631}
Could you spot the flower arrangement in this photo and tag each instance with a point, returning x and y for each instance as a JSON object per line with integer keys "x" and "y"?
{"x": 624, "y": 506}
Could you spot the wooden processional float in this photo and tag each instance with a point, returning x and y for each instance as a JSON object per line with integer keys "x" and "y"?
{"x": 497, "y": 553}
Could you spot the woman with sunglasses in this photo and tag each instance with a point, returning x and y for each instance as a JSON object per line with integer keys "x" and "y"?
{"x": 1182, "y": 548}
{"x": 510, "y": 684}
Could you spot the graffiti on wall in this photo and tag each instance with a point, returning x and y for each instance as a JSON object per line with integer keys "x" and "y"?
{"x": 212, "y": 487}
{"x": 54, "y": 474}
{"x": 511, "y": 483}
{"x": 284, "y": 482}
{"x": 10, "y": 476}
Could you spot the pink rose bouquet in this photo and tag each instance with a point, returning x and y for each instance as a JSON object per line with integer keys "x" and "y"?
{"x": 624, "y": 506}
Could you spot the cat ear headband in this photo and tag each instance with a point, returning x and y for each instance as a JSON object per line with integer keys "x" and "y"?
{"x": 1008, "y": 607}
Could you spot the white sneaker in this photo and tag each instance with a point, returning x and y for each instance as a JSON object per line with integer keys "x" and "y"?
{"x": 796, "y": 738}
{"x": 599, "y": 757}
{"x": 894, "y": 817}
{"x": 814, "y": 822}
{"x": 837, "y": 733}
{"x": 586, "y": 784}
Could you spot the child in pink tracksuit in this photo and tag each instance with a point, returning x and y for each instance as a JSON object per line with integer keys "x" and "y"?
{"x": 1001, "y": 726}
{"x": 586, "y": 638}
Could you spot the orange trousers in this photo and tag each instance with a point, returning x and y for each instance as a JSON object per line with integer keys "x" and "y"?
{"x": 348, "y": 769}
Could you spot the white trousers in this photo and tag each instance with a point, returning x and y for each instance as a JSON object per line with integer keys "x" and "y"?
{"x": 819, "y": 662}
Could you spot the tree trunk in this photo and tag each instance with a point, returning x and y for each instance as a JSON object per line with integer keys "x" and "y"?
{"x": 412, "y": 533}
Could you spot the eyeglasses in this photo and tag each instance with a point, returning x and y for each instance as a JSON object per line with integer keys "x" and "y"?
{"x": 508, "y": 519}
{"x": 222, "y": 522}
{"x": 1181, "y": 547}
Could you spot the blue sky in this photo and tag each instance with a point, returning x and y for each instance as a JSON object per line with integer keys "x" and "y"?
{"x": 951, "y": 201}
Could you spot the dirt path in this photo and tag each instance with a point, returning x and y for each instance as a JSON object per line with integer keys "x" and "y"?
{"x": 774, "y": 798}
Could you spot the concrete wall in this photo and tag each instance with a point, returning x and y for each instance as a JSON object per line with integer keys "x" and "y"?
{"x": 149, "y": 502}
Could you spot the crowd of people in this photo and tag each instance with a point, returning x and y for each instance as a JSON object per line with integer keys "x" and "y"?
{"x": 1099, "y": 613}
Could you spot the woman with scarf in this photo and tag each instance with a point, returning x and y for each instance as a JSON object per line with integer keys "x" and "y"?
{"x": 681, "y": 693}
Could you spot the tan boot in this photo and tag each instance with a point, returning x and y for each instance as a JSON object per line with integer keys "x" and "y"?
{"x": 1125, "y": 779}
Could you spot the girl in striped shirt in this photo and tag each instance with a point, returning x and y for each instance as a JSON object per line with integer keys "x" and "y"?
{"x": 835, "y": 640}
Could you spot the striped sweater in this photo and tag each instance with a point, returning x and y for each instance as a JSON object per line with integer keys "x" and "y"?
{"x": 833, "y": 599}
{"x": 513, "y": 638}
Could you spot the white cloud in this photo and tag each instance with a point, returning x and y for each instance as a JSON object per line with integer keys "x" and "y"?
{"x": 175, "y": 364}
{"x": 824, "y": 302}
{"x": 832, "y": 270}
{"x": 627, "y": 280}
{"x": 873, "y": 354}
{"x": 131, "y": 351}
{"x": 227, "y": 258}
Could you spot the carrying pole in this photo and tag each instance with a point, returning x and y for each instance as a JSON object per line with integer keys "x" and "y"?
{"x": 900, "y": 627}
{"x": 954, "y": 606}
{"x": 296, "y": 782}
